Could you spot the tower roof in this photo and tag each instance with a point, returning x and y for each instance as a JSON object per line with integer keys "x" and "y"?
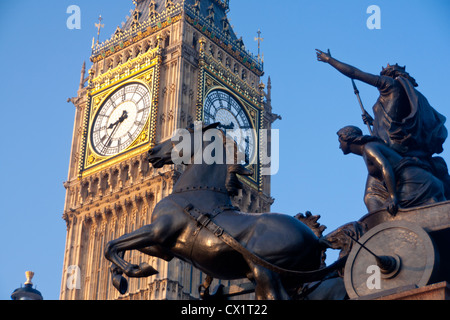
{"x": 208, "y": 16}
{"x": 214, "y": 10}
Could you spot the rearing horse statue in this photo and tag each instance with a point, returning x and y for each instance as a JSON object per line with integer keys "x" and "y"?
{"x": 198, "y": 225}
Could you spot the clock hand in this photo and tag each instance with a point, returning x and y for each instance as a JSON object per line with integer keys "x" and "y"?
{"x": 121, "y": 119}
{"x": 226, "y": 127}
{"x": 115, "y": 125}
{"x": 123, "y": 116}
{"x": 112, "y": 125}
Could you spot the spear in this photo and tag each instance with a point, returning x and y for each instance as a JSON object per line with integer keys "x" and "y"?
{"x": 361, "y": 105}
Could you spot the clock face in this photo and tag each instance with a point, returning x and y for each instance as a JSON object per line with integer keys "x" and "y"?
{"x": 120, "y": 119}
{"x": 220, "y": 106}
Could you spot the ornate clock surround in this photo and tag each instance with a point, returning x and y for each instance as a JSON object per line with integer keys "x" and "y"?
{"x": 215, "y": 76}
{"x": 143, "y": 70}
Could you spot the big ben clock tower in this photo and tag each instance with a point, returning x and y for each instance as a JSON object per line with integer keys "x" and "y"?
{"x": 171, "y": 63}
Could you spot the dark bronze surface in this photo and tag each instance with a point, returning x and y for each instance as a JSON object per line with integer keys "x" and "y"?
{"x": 415, "y": 264}
{"x": 417, "y": 238}
{"x": 400, "y": 181}
{"x": 405, "y": 234}
{"x": 280, "y": 240}
{"x": 403, "y": 119}
{"x": 433, "y": 217}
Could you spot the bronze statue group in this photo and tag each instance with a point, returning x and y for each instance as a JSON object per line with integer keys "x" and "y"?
{"x": 280, "y": 253}
{"x": 407, "y": 133}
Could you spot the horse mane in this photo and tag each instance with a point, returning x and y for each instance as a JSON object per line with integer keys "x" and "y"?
{"x": 232, "y": 182}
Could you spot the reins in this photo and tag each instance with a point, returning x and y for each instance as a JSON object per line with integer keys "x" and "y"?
{"x": 205, "y": 220}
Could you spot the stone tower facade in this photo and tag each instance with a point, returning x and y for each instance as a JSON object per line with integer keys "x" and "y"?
{"x": 176, "y": 50}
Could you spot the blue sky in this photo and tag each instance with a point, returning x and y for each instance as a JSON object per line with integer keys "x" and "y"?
{"x": 41, "y": 61}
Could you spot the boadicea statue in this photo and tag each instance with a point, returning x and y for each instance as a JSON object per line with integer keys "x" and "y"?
{"x": 407, "y": 181}
{"x": 405, "y": 121}
{"x": 198, "y": 224}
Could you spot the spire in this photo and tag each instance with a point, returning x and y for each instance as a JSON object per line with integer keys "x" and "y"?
{"x": 99, "y": 25}
{"x": 259, "y": 39}
{"x": 83, "y": 72}
{"x": 272, "y": 117}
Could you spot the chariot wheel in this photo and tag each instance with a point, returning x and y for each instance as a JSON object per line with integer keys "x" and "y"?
{"x": 393, "y": 255}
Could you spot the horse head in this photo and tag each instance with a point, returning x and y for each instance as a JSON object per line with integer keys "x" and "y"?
{"x": 169, "y": 152}
{"x": 161, "y": 154}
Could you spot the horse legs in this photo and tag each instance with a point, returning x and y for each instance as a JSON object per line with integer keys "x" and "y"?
{"x": 141, "y": 239}
{"x": 268, "y": 284}
{"x": 119, "y": 282}
{"x": 158, "y": 252}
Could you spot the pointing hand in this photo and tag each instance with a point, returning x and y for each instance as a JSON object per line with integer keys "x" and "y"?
{"x": 322, "y": 56}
